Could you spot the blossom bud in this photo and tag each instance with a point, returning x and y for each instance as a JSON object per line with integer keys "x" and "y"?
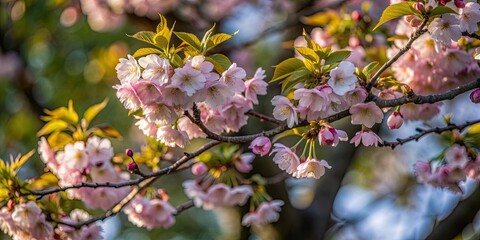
{"x": 10, "y": 204}
{"x": 459, "y": 3}
{"x": 395, "y": 120}
{"x": 199, "y": 168}
{"x": 475, "y": 96}
{"x": 129, "y": 152}
{"x": 261, "y": 145}
{"x": 132, "y": 167}
{"x": 419, "y": 6}
{"x": 356, "y": 15}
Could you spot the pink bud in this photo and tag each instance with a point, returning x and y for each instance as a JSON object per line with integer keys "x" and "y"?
{"x": 475, "y": 96}
{"x": 10, "y": 204}
{"x": 353, "y": 42}
{"x": 261, "y": 145}
{"x": 129, "y": 152}
{"x": 132, "y": 167}
{"x": 356, "y": 15}
{"x": 459, "y": 3}
{"x": 199, "y": 168}
{"x": 419, "y": 6}
{"x": 395, "y": 121}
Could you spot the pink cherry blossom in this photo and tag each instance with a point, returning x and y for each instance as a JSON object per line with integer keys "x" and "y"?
{"x": 198, "y": 62}
{"x": 313, "y": 99}
{"x": 395, "y": 121}
{"x": 192, "y": 130}
{"x": 156, "y": 69}
{"x": 367, "y": 138}
{"x": 261, "y": 145}
{"x": 216, "y": 94}
{"x": 150, "y": 213}
{"x": 76, "y": 156}
{"x": 99, "y": 150}
{"x": 176, "y": 97}
{"x": 256, "y": 86}
{"x": 199, "y": 168}
{"x": 445, "y": 29}
{"x": 457, "y": 156}
{"x": 329, "y": 136}
{"x": 423, "y": 171}
{"x": 147, "y": 92}
{"x": 194, "y": 191}
{"x": 285, "y": 158}
{"x": 244, "y": 162}
{"x": 128, "y": 96}
{"x": 311, "y": 168}
{"x": 148, "y": 128}
{"x": 47, "y": 154}
{"x": 234, "y": 111}
{"x": 469, "y": 17}
{"x": 188, "y": 79}
{"x": 366, "y": 113}
{"x": 26, "y": 215}
{"x": 267, "y": 212}
{"x": 233, "y": 78}
{"x": 284, "y": 110}
{"x": 160, "y": 114}
{"x": 342, "y": 78}
{"x": 357, "y": 95}
{"x": 172, "y": 137}
{"x": 128, "y": 70}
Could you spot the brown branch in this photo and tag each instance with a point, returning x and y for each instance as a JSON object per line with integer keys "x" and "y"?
{"x": 264, "y": 117}
{"x": 422, "y": 133}
{"x": 472, "y": 35}
{"x": 419, "y": 32}
{"x": 184, "y": 206}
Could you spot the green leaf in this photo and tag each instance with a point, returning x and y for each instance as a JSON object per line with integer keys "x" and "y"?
{"x": 440, "y": 10}
{"x": 395, "y": 11}
{"x": 18, "y": 162}
{"x": 161, "y": 41}
{"x": 286, "y": 68}
{"x": 62, "y": 113}
{"x": 52, "y": 126}
{"x": 190, "y": 39}
{"x": 58, "y": 139}
{"x": 93, "y": 111}
{"x": 337, "y": 56}
{"x": 367, "y": 70}
{"x": 107, "y": 131}
{"x": 145, "y": 51}
{"x": 296, "y": 77}
{"x": 45, "y": 180}
{"x": 220, "y": 62}
{"x": 308, "y": 53}
{"x": 144, "y": 36}
{"x": 218, "y": 38}
{"x": 290, "y": 132}
{"x": 206, "y": 38}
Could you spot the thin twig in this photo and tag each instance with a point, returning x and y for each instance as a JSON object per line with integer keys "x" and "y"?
{"x": 438, "y": 130}
{"x": 264, "y": 117}
{"x": 419, "y": 32}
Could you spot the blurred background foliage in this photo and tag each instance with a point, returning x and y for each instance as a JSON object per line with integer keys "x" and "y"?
{"x": 55, "y": 50}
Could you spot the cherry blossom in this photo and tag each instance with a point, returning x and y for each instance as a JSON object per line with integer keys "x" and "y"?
{"x": 342, "y": 78}
{"x": 266, "y": 212}
{"x": 233, "y": 78}
{"x": 261, "y": 145}
{"x": 395, "y": 121}
{"x": 367, "y": 138}
{"x": 311, "y": 168}
{"x": 284, "y": 110}
{"x": 285, "y": 158}
{"x": 366, "y": 113}
{"x": 156, "y": 69}
{"x": 128, "y": 70}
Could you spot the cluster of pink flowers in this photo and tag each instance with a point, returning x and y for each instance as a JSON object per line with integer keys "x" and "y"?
{"x": 287, "y": 160}
{"x": 435, "y": 62}
{"x": 150, "y": 213}
{"x": 217, "y": 195}
{"x": 92, "y": 231}
{"x": 88, "y": 161}
{"x": 163, "y": 94}
{"x": 25, "y": 222}
{"x": 266, "y": 212}
{"x": 458, "y": 165}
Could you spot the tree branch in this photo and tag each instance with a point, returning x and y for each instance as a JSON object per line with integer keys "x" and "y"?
{"x": 422, "y": 133}
{"x": 419, "y": 32}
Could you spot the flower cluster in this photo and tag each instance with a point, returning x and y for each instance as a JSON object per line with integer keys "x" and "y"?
{"x": 25, "y": 222}
{"x": 150, "y": 213}
{"x": 162, "y": 94}
{"x": 458, "y": 165}
{"x": 266, "y": 212}
{"x": 217, "y": 195}
{"x": 81, "y": 162}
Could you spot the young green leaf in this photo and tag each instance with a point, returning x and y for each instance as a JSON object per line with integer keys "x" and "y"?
{"x": 218, "y": 38}
{"x": 337, "y": 56}
{"x": 52, "y": 126}
{"x": 440, "y": 10}
{"x": 220, "y": 62}
{"x": 367, "y": 70}
{"x": 395, "y": 11}
{"x": 308, "y": 53}
{"x": 93, "y": 111}
{"x": 144, "y": 36}
{"x": 190, "y": 39}
{"x": 146, "y": 51}
{"x": 286, "y": 68}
